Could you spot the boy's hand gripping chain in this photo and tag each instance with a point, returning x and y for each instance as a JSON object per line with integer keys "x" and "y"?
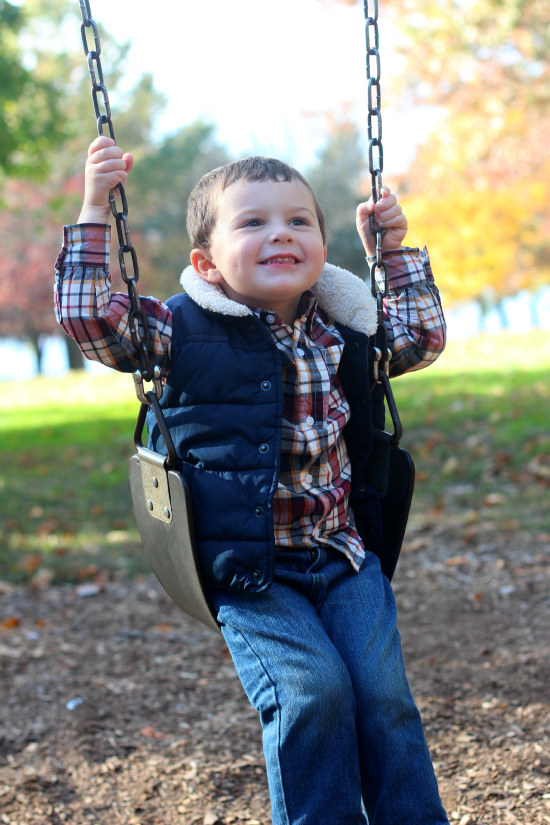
{"x": 381, "y": 354}
{"x": 136, "y": 314}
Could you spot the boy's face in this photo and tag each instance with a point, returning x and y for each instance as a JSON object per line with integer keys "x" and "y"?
{"x": 266, "y": 247}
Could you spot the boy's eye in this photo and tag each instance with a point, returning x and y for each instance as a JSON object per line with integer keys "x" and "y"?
{"x": 299, "y": 222}
{"x": 253, "y": 222}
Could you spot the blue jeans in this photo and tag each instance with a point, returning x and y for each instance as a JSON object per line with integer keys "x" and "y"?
{"x": 319, "y": 657}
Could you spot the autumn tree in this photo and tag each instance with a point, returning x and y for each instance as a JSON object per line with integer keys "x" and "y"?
{"x": 479, "y": 187}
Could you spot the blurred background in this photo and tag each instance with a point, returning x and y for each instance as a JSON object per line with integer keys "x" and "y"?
{"x": 465, "y": 102}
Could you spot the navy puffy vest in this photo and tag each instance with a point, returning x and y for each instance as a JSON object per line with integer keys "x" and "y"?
{"x": 223, "y": 403}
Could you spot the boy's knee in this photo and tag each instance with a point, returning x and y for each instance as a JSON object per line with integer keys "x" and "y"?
{"x": 327, "y": 692}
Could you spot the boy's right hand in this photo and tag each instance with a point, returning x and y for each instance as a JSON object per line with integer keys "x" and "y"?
{"x": 106, "y": 166}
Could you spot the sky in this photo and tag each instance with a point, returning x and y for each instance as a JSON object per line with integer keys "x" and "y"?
{"x": 265, "y": 73}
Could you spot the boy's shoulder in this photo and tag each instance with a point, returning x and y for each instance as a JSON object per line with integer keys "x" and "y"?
{"x": 194, "y": 321}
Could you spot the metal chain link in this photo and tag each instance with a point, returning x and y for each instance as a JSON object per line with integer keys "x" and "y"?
{"x": 376, "y": 160}
{"x": 136, "y": 315}
{"x": 379, "y": 351}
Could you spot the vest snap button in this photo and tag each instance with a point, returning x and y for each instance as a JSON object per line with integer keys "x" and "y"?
{"x": 265, "y": 385}
{"x": 258, "y": 511}
{"x": 256, "y": 574}
{"x": 355, "y": 346}
{"x": 264, "y": 448}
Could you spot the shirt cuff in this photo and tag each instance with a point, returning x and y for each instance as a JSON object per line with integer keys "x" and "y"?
{"x": 406, "y": 266}
{"x": 85, "y": 244}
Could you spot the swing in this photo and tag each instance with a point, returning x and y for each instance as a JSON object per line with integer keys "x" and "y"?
{"x": 160, "y": 494}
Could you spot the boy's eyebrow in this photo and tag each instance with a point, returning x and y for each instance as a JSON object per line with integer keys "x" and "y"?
{"x": 257, "y": 210}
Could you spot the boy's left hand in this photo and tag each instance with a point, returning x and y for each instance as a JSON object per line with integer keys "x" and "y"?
{"x": 388, "y": 215}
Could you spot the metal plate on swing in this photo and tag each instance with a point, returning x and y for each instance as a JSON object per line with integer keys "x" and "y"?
{"x": 155, "y": 484}
{"x": 170, "y": 546}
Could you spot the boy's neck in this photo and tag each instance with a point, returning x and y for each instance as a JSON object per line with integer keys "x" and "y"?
{"x": 287, "y": 310}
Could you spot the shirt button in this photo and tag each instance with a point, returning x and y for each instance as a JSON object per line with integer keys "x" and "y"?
{"x": 300, "y": 352}
{"x": 270, "y": 319}
{"x": 310, "y": 420}
{"x": 264, "y": 448}
{"x": 265, "y": 385}
{"x": 309, "y": 478}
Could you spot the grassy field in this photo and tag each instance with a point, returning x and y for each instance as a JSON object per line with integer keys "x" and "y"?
{"x": 477, "y": 424}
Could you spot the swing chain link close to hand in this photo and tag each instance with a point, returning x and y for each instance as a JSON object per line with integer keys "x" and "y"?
{"x": 375, "y": 142}
{"x": 136, "y": 315}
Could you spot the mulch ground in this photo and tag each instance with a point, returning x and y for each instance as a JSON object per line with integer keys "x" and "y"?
{"x": 117, "y": 708}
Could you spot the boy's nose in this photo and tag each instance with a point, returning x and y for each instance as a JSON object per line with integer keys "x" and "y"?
{"x": 282, "y": 235}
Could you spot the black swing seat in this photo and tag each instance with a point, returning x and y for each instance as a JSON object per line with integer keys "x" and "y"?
{"x": 391, "y": 472}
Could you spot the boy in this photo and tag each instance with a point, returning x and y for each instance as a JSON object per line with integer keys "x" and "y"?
{"x": 265, "y": 359}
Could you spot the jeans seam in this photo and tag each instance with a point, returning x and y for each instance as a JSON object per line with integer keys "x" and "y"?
{"x": 278, "y": 704}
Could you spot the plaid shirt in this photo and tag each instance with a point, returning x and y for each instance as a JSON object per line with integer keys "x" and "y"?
{"x": 311, "y": 503}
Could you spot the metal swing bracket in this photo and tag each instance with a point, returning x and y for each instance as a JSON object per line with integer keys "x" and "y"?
{"x": 154, "y": 466}
{"x": 155, "y": 484}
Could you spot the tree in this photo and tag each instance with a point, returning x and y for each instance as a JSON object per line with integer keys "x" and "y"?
{"x": 336, "y": 179}
{"x": 32, "y": 212}
{"x": 480, "y": 240}
{"x": 481, "y": 180}
{"x": 31, "y": 106}
{"x": 158, "y": 188}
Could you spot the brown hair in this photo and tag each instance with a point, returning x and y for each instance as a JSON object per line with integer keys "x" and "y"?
{"x": 202, "y": 203}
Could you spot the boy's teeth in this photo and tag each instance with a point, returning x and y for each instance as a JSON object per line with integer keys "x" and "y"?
{"x": 282, "y": 260}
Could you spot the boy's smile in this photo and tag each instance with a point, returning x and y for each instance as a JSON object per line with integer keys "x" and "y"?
{"x": 266, "y": 247}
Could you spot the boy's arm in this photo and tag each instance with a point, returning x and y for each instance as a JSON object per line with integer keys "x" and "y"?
{"x": 96, "y": 318}
{"x": 412, "y": 311}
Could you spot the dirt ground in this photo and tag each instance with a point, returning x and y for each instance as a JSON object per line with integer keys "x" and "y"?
{"x": 116, "y": 708}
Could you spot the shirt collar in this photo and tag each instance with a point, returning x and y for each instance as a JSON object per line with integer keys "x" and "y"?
{"x": 307, "y": 308}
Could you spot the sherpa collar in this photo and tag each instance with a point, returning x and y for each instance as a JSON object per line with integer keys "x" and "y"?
{"x": 343, "y": 296}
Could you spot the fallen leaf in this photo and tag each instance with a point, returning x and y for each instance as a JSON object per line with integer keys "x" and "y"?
{"x": 87, "y": 572}
{"x": 450, "y": 465}
{"x": 150, "y": 732}
{"x": 492, "y": 499}
{"x": 41, "y": 579}
{"x": 30, "y": 564}
{"x": 455, "y": 561}
{"x": 415, "y": 544}
{"x": 9, "y": 623}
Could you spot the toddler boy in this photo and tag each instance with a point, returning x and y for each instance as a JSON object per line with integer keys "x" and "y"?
{"x": 267, "y": 397}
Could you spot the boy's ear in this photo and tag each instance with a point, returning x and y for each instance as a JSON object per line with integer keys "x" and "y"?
{"x": 202, "y": 263}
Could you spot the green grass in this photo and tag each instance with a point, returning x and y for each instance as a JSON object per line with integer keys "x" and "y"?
{"x": 477, "y": 424}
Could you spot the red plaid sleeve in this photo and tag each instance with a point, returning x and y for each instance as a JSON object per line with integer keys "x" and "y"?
{"x": 412, "y": 311}
{"x": 95, "y": 317}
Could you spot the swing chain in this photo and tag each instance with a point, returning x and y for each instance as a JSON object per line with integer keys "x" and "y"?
{"x": 136, "y": 315}
{"x": 376, "y": 159}
{"x": 380, "y": 354}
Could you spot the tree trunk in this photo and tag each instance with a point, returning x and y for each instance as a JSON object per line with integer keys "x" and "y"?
{"x": 76, "y": 359}
{"x": 534, "y": 307}
{"x": 37, "y": 343}
{"x": 503, "y": 317}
